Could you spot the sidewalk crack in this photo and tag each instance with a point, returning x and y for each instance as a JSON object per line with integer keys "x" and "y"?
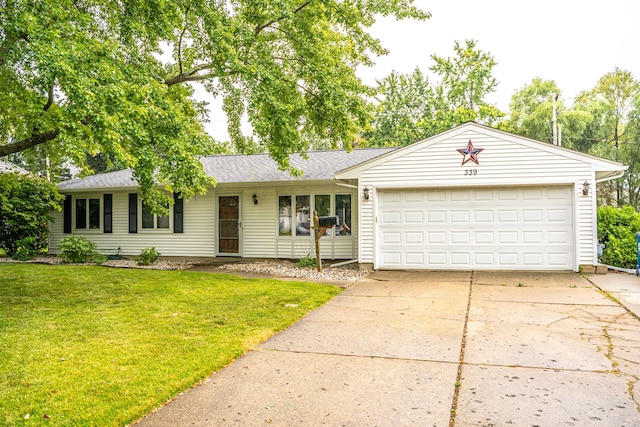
{"x": 454, "y": 403}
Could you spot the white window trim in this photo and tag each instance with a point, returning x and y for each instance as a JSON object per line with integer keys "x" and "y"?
{"x": 312, "y": 206}
{"x": 74, "y": 214}
{"x": 155, "y": 228}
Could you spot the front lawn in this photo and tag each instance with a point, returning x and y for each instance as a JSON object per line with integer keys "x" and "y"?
{"x": 102, "y": 347}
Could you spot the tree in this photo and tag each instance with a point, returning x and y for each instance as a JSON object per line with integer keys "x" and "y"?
{"x": 25, "y": 206}
{"x": 612, "y": 103}
{"x": 411, "y": 107}
{"x": 87, "y": 76}
{"x": 467, "y": 78}
{"x": 531, "y": 115}
{"x": 407, "y": 100}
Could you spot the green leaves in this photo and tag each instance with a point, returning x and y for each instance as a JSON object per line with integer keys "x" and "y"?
{"x": 88, "y": 77}
{"x": 25, "y": 206}
{"x": 412, "y": 108}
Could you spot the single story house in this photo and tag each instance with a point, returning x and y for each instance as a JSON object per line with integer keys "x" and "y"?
{"x": 472, "y": 197}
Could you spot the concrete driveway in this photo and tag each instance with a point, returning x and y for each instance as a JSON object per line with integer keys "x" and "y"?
{"x": 437, "y": 348}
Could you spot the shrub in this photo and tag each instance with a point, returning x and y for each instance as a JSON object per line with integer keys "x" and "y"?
{"x": 307, "y": 261}
{"x": 79, "y": 249}
{"x": 616, "y": 229}
{"x": 26, "y": 249}
{"x": 148, "y": 256}
{"x": 25, "y": 205}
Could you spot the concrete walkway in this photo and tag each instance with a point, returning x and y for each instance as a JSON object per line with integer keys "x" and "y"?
{"x": 442, "y": 349}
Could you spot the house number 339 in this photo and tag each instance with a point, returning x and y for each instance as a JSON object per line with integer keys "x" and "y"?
{"x": 469, "y": 172}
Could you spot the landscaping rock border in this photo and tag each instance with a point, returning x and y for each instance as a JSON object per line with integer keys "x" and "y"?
{"x": 346, "y": 273}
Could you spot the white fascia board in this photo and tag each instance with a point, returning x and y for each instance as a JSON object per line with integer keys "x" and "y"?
{"x": 598, "y": 164}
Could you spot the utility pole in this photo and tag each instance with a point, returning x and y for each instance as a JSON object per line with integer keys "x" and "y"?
{"x": 559, "y": 135}
{"x": 554, "y": 121}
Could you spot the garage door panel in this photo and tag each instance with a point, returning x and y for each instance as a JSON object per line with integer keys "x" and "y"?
{"x": 559, "y": 215}
{"x": 437, "y": 258}
{"x": 483, "y": 216}
{"x": 559, "y": 259}
{"x": 460, "y": 258}
{"x": 391, "y": 217}
{"x": 435, "y": 237}
{"x": 391, "y": 237}
{"x": 413, "y": 217}
{"x": 436, "y": 217}
{"x": 532, "y": 215}
{"x": 508, "y": 259}
{"x": 414, "y": 258}
{"x": 526, "y": 227}
{"x": 392, "y": 258}
{"x": 484, "y": 237}
{"x": 460, "y": 217}
{"x": 532, "y": 237}
{"x": 486, "y": 259}
{"x": 413, "y": 237}
{"x": 413, "y": 197}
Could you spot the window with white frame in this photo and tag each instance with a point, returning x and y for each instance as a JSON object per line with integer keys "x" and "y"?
{"x": 151, "y": 221}
{"x": 88, "y": 214}
{"x": 297, "y": 219}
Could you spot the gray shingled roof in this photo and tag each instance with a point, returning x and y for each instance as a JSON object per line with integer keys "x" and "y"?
{"x": 226, "y": 169}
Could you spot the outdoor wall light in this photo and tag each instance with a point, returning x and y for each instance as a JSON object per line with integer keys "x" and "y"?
{"x": 585, "y": 188}
{"x": 365, "y": 193}
{"x": 255, "y": 199}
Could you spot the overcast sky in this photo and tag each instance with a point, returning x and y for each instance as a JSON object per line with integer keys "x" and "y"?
{"x": 573, "y": 42}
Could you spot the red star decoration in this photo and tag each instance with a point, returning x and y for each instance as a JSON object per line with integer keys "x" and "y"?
{"x": 470, "y": 153}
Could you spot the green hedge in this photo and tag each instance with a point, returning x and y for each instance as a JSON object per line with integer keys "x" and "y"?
{"x": 26, "y": 203}
{"x": 616, "y": 229}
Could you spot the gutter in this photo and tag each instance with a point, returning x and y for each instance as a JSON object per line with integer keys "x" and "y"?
{"x": 344, "y": 184}
{"x": 610, "y": 177}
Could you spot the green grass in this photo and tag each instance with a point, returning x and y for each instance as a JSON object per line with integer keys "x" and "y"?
{"x": 95, "y": 346}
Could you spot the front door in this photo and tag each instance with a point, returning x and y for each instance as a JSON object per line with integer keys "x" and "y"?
{"x": 229, "y": 225}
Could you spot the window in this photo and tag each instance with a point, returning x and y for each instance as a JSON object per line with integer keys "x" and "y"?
{"x": 322, "y": 205}
{"x": 343, "y": 212}
{"x": 303, "y": 215}
{"x": 299, "y": 221}
{"x": 81, "y": 213}
{"x": 152, "y": 221}
{"x": 89, "y": 216}
{"x": 284, "y": 227}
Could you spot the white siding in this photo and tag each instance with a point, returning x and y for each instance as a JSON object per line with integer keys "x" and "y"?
{"x": 259, "y": 222}
{"x": 197, "y": 239}
{"x": 331, "y": 247}
{"x": 259, "y": 226}
{"x": 502, "y": 162}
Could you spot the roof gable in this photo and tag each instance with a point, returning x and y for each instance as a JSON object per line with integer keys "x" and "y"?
{"x": 472, "y": 130}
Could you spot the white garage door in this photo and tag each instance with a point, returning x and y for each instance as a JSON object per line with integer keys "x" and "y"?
{"x": 526, "y": 228}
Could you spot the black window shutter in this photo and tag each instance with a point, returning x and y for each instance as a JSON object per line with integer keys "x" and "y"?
{"x": 133, "y": 212}
{"x": 108, "y": 210}
{"x": 178, "y": 210}
{"x": 66, "y": 212}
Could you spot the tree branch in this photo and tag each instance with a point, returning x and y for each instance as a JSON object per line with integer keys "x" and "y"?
{"x": 50, "y": 98}
{"x": 184, "y": 30}
{"x": 193, "y": 76}
{"x": 259, "y": 28}
{"x": 32, "y": 141}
